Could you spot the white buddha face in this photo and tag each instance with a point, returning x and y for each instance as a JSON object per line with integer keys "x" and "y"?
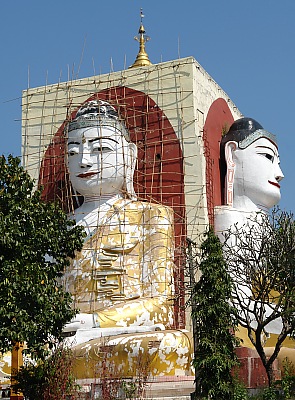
{"x": 99, "y": 160}
{"x": 257, "y": 174}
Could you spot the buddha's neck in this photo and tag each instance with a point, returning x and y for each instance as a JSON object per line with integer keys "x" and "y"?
{"x": 93, "y": 210}
{"x": 244, "y": 203}
{"x": 94, "y": 202}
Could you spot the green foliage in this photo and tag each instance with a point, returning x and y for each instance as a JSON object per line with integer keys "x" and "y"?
{"x": 271, "y": 393}
{"x": 36, "y": 242}
{"x": 49, "y": 379}
{"x": 31, "y": 381}
{"x": 215, "y": 321}
{"x": 239, "y": 392}
{"x": 288, "y": 379}
{"x": 129, "y": 388}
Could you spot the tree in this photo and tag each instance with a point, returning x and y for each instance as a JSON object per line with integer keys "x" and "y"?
{"x": 215, "y": 322}
{"x": 261, "y": 261}
{"x": 36, "y": 242}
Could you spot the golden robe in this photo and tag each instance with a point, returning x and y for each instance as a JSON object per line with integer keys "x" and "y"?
{"x": 124, "y": 273}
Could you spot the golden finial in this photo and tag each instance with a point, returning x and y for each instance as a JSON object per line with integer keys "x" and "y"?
{"x": 142, "y": 59}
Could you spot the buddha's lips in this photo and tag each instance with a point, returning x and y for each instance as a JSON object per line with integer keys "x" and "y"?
{"x": 274, "y": 183}
{"x": 87, "y": 174}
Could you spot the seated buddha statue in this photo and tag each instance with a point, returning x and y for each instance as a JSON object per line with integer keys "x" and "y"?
{"x": 122, "y": 280}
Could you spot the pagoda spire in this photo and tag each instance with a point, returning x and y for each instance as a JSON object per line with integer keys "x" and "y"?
{"x": 142, "y": 58}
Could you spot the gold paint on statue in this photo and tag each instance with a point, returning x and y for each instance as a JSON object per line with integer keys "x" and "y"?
{"x": 163, "y": 353}
{"x": 124, "y": 272}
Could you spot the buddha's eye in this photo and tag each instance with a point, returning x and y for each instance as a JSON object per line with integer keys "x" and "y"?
{"x": 73, "y": 151}
{"x": 101, "y": 149}
{"x": 73, "y": 148}
{"x": 269, "y": 157}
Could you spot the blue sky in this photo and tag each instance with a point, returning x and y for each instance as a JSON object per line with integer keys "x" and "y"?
{"x": 247, "y": 46}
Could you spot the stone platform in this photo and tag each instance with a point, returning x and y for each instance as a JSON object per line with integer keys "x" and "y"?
{"x": 170, "y": 388}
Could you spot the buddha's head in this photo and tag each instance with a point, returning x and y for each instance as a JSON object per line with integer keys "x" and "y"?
{"x": 101, "y": 158}
{"x": 253, "y": 172}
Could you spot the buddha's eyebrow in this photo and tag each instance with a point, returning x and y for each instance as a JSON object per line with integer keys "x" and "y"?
{"x": 93, "y": 140}
{"x": 100, "y": 138}
{"x": 266, "y": 147}
{"x": 73, "y": 142}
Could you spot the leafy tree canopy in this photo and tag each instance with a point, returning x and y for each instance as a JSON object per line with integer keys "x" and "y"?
{"x": 36, "y": 242}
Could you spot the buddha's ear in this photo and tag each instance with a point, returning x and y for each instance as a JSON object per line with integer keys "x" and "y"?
{"x": 229, "y": 149}
{"x": 133, "y": 155}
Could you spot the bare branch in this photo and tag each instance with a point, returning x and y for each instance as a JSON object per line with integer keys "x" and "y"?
{"x": 260, "y": 257}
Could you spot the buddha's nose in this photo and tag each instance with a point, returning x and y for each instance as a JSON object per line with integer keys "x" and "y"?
{"x": 279, "y": 174}
{"x": 86, "y": 160}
